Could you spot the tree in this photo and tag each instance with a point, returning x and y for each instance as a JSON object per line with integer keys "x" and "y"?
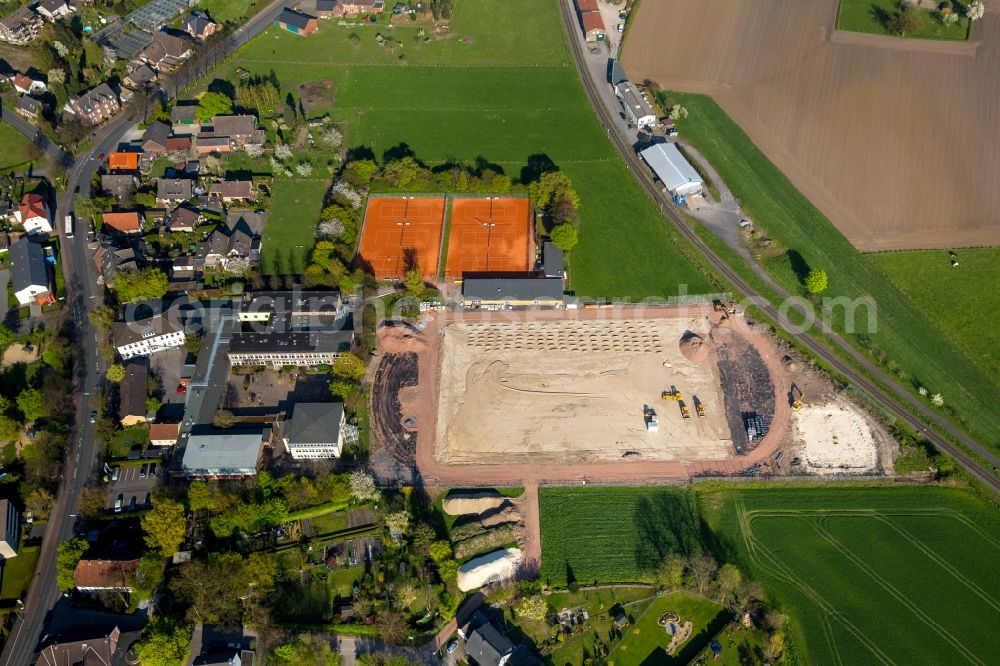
{"x": 817, "y": 281}
{"x": 671, "y": 572}
{"x": 115, "y": 373}
{"x": 101, "y": 317}
{"x": 213, "y": 104}
{"x": 532, "y": 608}
{"x": 728, "y": 581}
{"x": 903, "y": 20}
{"x": 363, "y": 487}
{"x": 702, "y": 570}
{"x": 305, "y": 650}
{"x": 93, "y": 502}
{"x": 348, "y": 366}
{"x": 193, "y": 342}
{"x": 550, "y": 188}
{"x": 342, "y": 388}
{"x": 68, "y": 554}
{"x": 146, "y": 284}
{"x": 564, "y": 237}
{"x": 448, "y": 570}
{"x": 775, "y": 646}
{"x": 32, "y": 404}
{"x": 38, "y": 502}
{"x": 976, "y": 10}
{"x": 164, "y": 642}
{"x": 398, "y": 522}
{"x": 384, "y": 659}
{"x": 10, "y": 430}
{"x": 199, "y": 496}
{"x": 391, "y": 626}
{"x": 153, "y": 404}
{"x": 6, "y": 337}
{"x": 224, "y": 419}
{"x": 165, "y": 526}
{"x": 440, "y": 551}
{"x": 414, "y": 282}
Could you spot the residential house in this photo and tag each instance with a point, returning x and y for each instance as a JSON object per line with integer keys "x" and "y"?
{"x": 485, "y": 645}
{"x": 29, "y": 272}
{"x": 173, "y": 190}
{"x": 232, "y": 190}
{"x": 54, "y": 9}
{"x": 325, "y": 8}
{"x": 103, "y": 575}
{"x": 95, "y": 105}
{"x": 184, "y": 118}
{"x": 297, "y": 22}
{"x": 315, "y": 430}
{"x": 94, "y": 650}
{"x": 33, "y": 214}
{"x": 354, "y": 7}
{"x": 213, "y": 144}
{"x": 199, "y": 25}
{"x": 27, "y": 84}
{"x": 141, "y": 77}
{"x": 168, "y": 49}
{"x": 10, "y": 529}
{"x": 29, "y": 107}
{"x": 228, "y": 657}
{"x": 132, "y": 392}
{"x": 232, "y": 246}
{"x": 20, "y": 26}
{"x": 125, "y": 222}
{"x": 593, "y": 26}
{"x": 183, "y": 218}
{"x": 240, "y": 131}
{"x": 110, "y": 261}
{"x": 154, "y": 140}
{"x": 182, "y": 268}
{"x": 121, "y": 161}
{"x": 179, "y": 144}
{"x": 146, "y": 336}
{"x": 163, "y": 434}
{"x": 225, "y": 454}
{"x": 119, "y": 185}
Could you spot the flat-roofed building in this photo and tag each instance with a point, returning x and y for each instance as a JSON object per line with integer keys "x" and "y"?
{"x": 675, "y": 172}
{"x": 224, "y": 454}
{"x": 513, "y": 291}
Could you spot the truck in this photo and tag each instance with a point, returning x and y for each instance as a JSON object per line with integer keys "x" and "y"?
{"x": 68, "y": 225}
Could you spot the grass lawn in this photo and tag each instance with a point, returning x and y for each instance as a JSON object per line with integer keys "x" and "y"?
{"x": 872, "y": 15}
{"x": 329, "y": 522}
{"x": 17, "y": 150}
{"x": 613, "y": 535}
{"x": 290, "y": 231}
{"x": 224, "y": 11}
{"x": 341, "y": 582}
{"x": 646, "y": 641}
{"x": 497, "y": 87}
{"x": 904, "y": 574}
{"x": 17, "y": 573}
{"x": 921, "y": 349}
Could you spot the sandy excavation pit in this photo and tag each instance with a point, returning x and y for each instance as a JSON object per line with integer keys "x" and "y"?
{"x": 574, "y": 391}
{"x": 835, "y": 439}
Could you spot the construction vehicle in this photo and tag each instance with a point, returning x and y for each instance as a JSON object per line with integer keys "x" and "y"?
{"x": 699, "y": 408}
{"x": 796, "y": 401}
{"x": 672, "y": 394}
{"x": 685, "y": 412}
{"x": 719, "y": 306}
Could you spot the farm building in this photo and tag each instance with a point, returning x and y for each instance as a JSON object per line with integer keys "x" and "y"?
{"x": 513, "y": 291}
{"x": 637, "y": 108}
{"x": 676, "y": 174}
{"x": 297, "y": 22}
{"x": 593, "y": 26}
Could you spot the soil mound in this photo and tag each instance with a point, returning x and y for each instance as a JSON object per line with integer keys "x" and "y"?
{"x": 695, "y": 348}
{"x": 497, "y": 566}
{"x": 458, "y": 504}
{"x": 401, "y": 339}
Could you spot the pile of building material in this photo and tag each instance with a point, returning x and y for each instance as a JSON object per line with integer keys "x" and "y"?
{"x": 459, "y": 504}
{"x": 500, "y": 565}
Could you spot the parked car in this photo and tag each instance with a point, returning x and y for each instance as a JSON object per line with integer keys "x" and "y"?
{"x": 114, "y": 473}
{"x": 118, "y": 503}
{"x": 181, "y": 388}
{"x": 131, "y": 504}
{"x": 671, "y": 131}
{"x": 142, "y": 471}
{"x": 152, "y": 469}
{"x": 93, "y": 417}
{"x": 453, "y": 645}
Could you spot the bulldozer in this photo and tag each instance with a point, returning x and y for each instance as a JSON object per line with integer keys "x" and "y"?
{"x": 672, "y": 394}
{"x": 699, "y": 408}
{"x": 796, "y": 401}
{"x": 685, "y": 412}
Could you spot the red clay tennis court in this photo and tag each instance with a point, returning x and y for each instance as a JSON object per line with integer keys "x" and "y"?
{"x": 399, "y": 232}
{"x": 490, "y": 235}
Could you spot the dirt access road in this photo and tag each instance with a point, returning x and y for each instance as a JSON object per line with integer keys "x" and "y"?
{"x": 890, "y": 138}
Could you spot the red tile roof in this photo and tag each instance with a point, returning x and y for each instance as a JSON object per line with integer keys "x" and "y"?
{"x": 592, "y": 21}
{"x": 163, "y": 431}
{"x": 33, "y": 205}
{"x": 126, "y": 223}
{"x": 105, "y": 573}
{"x": 123, "y": 161}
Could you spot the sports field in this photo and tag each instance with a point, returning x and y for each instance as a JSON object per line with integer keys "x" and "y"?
{"x": 891, "y": 575}
{"x": 401, "y": 233}
{"x": 500, "y": 87}
{"x": 490, "y": 235}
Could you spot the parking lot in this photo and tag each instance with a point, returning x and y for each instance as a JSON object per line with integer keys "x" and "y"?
{"x": 134, "y": 486}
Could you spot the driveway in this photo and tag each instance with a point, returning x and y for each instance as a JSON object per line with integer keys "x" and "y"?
{"x": 133, "y": 483}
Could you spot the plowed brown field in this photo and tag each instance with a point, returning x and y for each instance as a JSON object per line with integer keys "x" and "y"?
{"x": 894, "y": 140}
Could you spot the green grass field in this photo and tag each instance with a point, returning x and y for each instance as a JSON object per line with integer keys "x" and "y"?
{"x": 17, "y": 150}
{"x": 613, "y": 535}
{"x": 498, "y": 87}
{"x": 870, "y": 16}
{"x": 224, "y": 11}
{"x": 290, "y": 231}
{"x": 17, "y": 573}
{"x": 920, "y": 347}
{"x": 901, "y": 574}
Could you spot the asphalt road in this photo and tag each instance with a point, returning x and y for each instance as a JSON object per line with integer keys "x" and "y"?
{"x": 83, "y": 294}
{"x": 891, "y": 399}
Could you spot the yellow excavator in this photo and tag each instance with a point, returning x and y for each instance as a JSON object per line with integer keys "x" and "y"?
{"x": 685, "y": 412}
{"x": 672, "y": 394}
{"x": 699, "y": 408}
{"x": 796, "y": 401}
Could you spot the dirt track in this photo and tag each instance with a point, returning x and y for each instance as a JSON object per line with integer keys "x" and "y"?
{"x": 896, "y": 146}
{"x": 422, "y": 405}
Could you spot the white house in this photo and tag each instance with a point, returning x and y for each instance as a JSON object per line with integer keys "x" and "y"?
{"x": 54, "y": 9}
{"x": 315, "y": 430}
{"x": 145, "y": 337}
{"x": 29, "y": 272}
{"x": 33, "y": 214}
{"x": 637, "y": 108}
{"x": 675, "y": 172}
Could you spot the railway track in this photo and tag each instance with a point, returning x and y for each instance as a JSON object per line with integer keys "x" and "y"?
{"x": 885, "y": 400}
